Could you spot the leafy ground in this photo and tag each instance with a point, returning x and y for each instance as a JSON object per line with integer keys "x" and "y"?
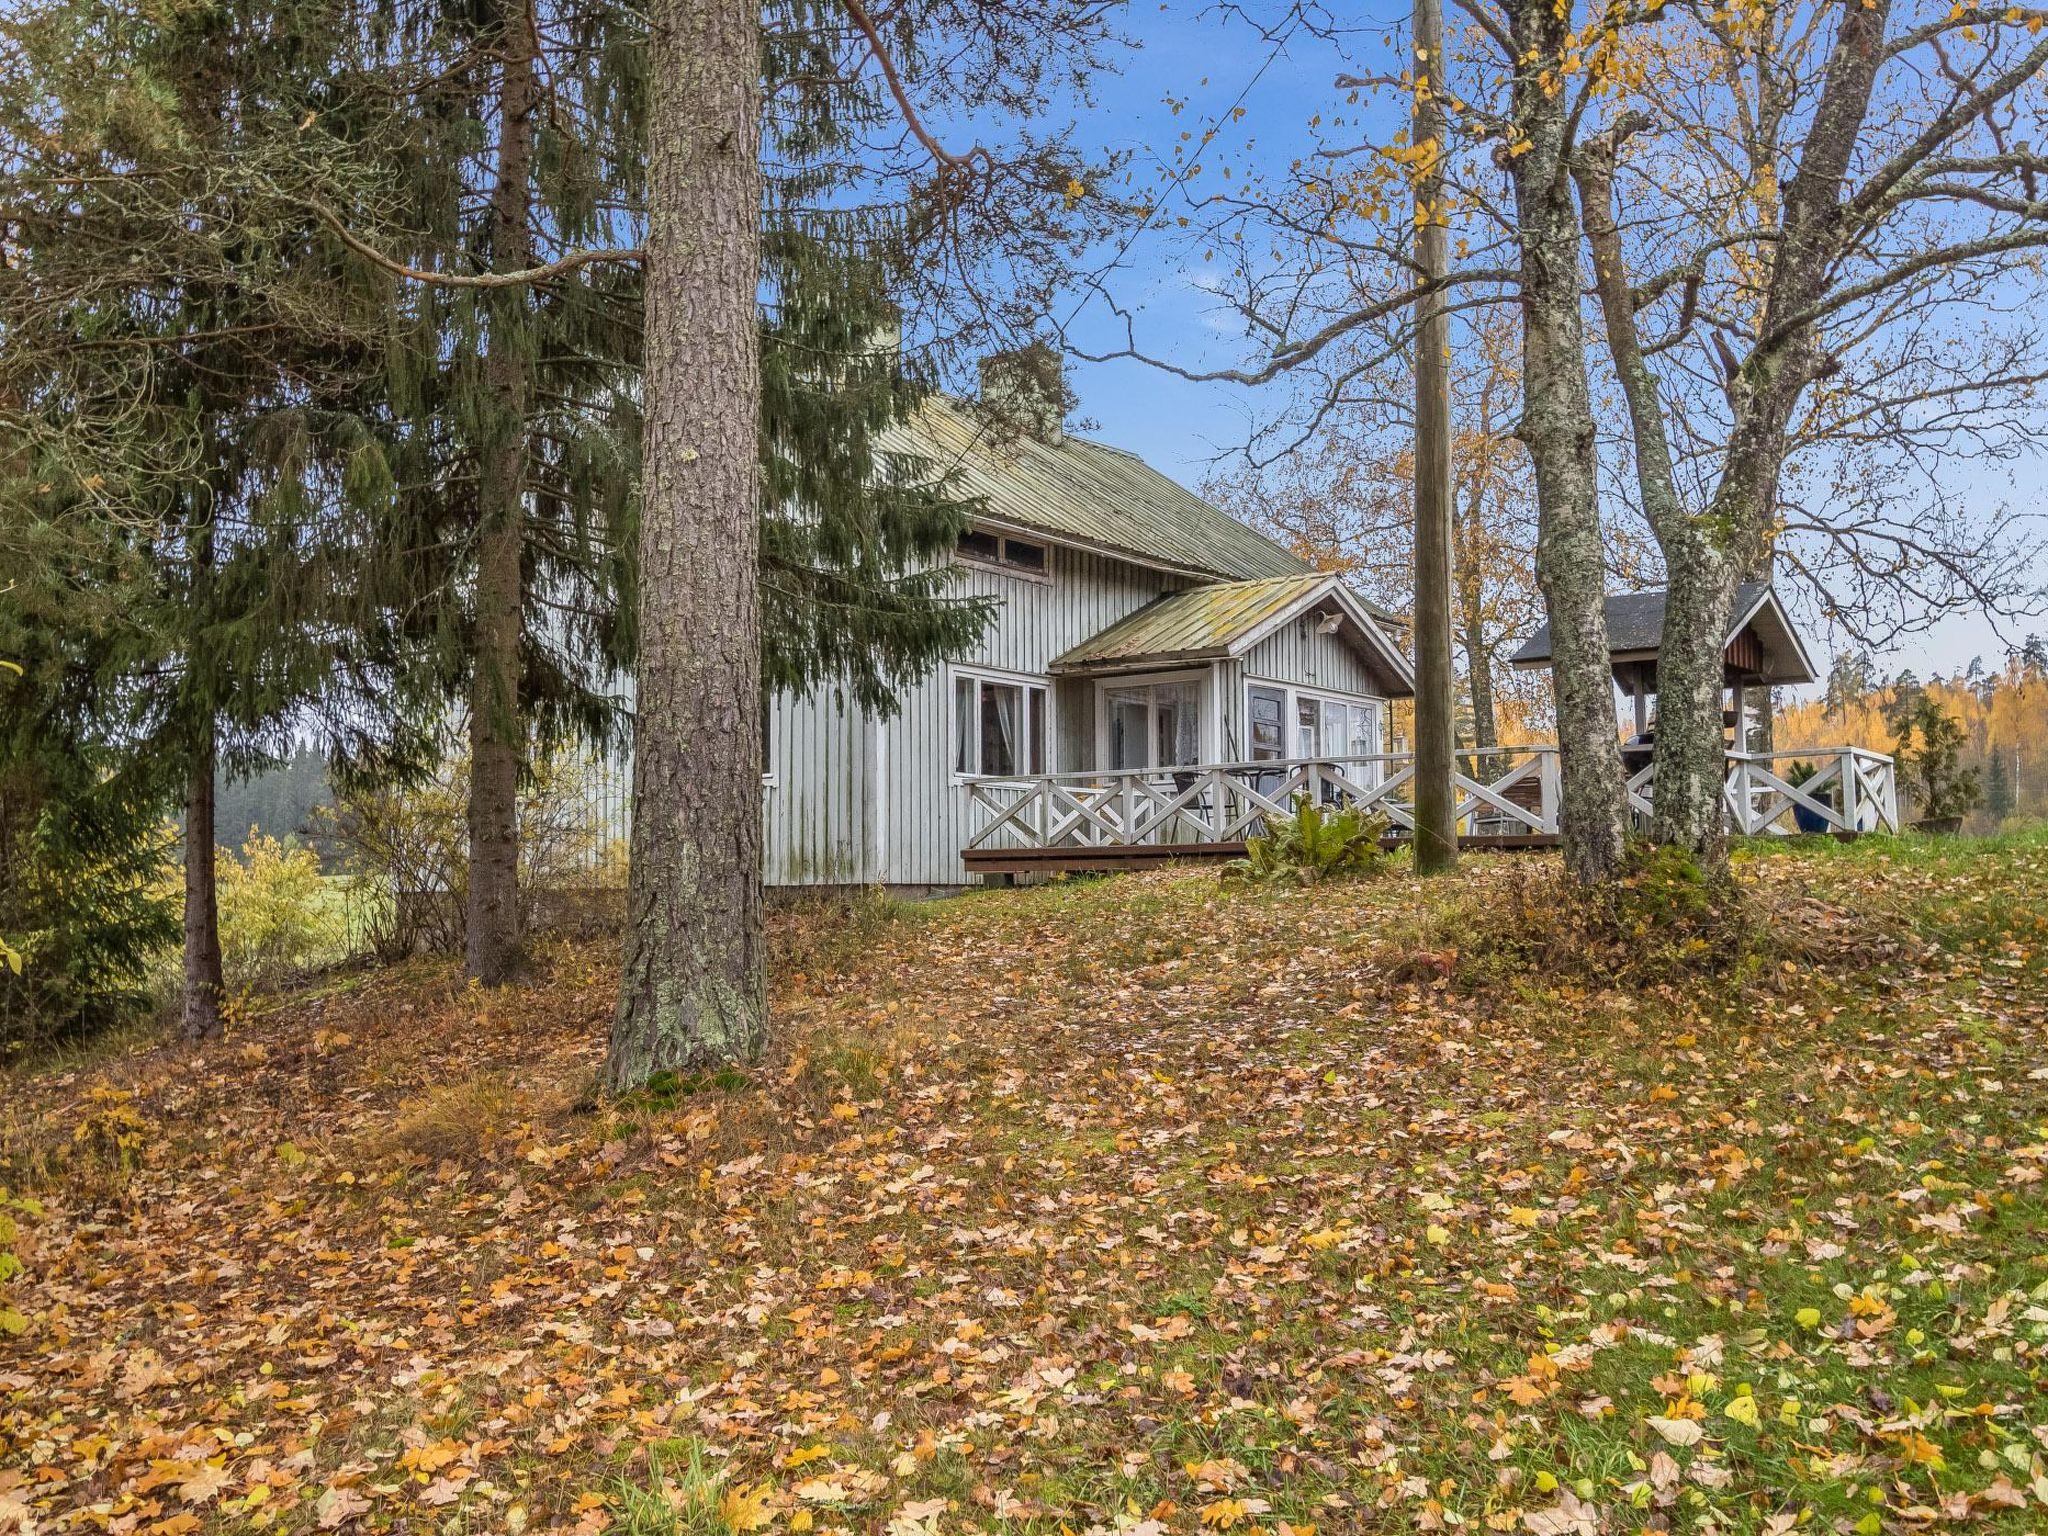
{"x": 1128, "y": 1206}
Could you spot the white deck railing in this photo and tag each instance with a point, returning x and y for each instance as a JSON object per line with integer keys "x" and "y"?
{"x": 1503, "y": 792}
{"x": 1851, "y": 789}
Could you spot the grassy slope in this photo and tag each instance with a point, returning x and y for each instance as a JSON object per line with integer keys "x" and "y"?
{"x": 1132, "y": 1204}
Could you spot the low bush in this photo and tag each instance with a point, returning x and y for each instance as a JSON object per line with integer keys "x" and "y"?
{"x": 84, "y": 904}
{"x": 279, "y": 918}
{"x": 1665, "y": 917}
{"x": 1314, "y": 844}
{"x": 455, "y": 1122}
{"x": 407, "y": 848}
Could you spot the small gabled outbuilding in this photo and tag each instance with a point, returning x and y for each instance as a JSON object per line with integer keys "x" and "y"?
{"x": 1763, "y": 648}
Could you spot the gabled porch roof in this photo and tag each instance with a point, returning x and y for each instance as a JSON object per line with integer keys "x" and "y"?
{"x": 1763, "y": 646}
{"x": 1223, "y": 619}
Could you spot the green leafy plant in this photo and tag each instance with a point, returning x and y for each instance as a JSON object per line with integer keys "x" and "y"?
{"x": 278, "y": 917}
{"x": 1930, "y": 744}
{"x": 12, "y": 1321}
{"x": 406, "y": 848}
{"x": 1314, "y": 844}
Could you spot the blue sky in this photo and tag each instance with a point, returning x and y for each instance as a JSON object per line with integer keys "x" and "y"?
{"x": 1208, "y": 61}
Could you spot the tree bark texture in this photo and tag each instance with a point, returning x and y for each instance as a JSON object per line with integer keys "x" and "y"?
{"x": 205, "y": 983}
{"x": 1436, "y": 831}
{"x": 1705, "y": 556}
{"x": 497, "y": 724}
{"x": 1700, "y": 566}
{"x": 1557, "y": 427}
{"x": 691, "y": 992}
{"x": 1479, "y": 674}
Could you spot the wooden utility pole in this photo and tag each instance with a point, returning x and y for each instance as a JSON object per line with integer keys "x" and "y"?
{"x": 1436, "y": 833}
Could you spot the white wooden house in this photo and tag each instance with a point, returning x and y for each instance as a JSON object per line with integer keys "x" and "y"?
{"x": 1141, "y": 634}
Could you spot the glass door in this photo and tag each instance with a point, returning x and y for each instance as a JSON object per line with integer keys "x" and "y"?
{"x": 1130, "y": 728}
{"x": 1153, "y": 725}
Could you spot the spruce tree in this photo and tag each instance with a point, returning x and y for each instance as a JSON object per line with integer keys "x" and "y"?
{"x": 520, "y": 470}
{"x": 186, "y": 364}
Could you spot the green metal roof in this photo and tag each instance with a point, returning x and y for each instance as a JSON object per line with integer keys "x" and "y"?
{"x": 1202, "y": 621}
{"x": 1091, "y": 495}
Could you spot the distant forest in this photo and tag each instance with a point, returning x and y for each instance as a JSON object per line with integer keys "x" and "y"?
{"x": 278, "y": 802}
{"x": 2003, "y": 713}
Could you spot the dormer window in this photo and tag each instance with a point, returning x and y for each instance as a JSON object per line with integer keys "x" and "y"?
{"x": 985, "y": 548}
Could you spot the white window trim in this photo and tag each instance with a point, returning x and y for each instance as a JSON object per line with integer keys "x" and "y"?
{"x": 1014, "y": 679}
{"x": 1212, "y": 724}
{"x": 1295, "y": 693}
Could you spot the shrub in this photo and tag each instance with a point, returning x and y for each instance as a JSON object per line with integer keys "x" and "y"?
{"x": 85, "y": 902}
{"x": 1664, "y": 918}
{"x": 277, "y": 917}
{"x": 407, "y": 847}
{"x": 1312, "y": 845}
{"x": 1930, "y": 744}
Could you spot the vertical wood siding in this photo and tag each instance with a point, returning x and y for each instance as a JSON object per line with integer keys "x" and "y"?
{"x": 1297, "y": 654}
{"x": 858, "y": 801}
{"x": 819, "y": 805}
{"x": 929, "y": 818}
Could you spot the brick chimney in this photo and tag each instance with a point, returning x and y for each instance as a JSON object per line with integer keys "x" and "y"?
{"x": 1027, "y": 390}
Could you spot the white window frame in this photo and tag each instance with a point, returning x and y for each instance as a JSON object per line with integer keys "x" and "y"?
{"x": 1001, "y": 562}
{"x": 1212, "y": 725}
{"x": 1025, "y": 680}
{"x": 1291, "y": 712}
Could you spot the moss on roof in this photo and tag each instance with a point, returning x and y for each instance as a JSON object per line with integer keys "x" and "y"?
{"x": 1202, "y": 621}
{"x": 1090, "y": 494}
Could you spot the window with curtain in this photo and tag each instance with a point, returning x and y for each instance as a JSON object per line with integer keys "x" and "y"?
{"x": 1286, "y": 721}
{"x": 1268, "y": 713}
{"x": 998, "y": 726}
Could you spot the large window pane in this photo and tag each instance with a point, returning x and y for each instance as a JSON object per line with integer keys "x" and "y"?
{"x": 1307, "y": 716}
{"x": 1336, "y": 728}
{"x": 1179, "y": 717}
{"x": 964, "y": 760}
{"x": 1002, "y": 726}
{"x": 1364, "y": 730}
{"x": 1037, "y": 763}
{"x": 1130, "y": 717}
{"x": 1268, "y": 716}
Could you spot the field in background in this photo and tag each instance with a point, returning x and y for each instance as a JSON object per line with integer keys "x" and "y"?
{"x": 1131, "y": 1205}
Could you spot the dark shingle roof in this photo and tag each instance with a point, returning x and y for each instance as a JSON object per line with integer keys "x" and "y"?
{"x": 1635, "y": 624}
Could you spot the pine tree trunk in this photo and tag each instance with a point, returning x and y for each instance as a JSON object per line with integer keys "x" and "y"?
{"x": 497, "y": 725}
{"x": 205, "y": 984}
{"x": 1557, "y": 426}
{"x": 691, "y": 991}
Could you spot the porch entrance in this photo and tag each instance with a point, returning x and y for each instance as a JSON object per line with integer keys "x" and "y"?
{"x": 1153, "y": 724}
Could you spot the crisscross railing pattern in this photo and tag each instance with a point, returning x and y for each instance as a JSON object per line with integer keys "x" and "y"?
{"x": 1503, "y": 792}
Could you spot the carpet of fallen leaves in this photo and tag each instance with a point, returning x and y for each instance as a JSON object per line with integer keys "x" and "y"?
{"x": 1128, "y": 1206}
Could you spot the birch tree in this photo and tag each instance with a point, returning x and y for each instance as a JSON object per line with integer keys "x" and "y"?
{"x": 1815, "y": 234}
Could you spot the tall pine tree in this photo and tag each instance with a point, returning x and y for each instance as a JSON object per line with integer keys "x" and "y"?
{"x": 520, "y": 469}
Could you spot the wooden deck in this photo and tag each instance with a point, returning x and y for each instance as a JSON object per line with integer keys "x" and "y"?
{"x": 1079, "y": 859}
{"x": 1507, "y": 798}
